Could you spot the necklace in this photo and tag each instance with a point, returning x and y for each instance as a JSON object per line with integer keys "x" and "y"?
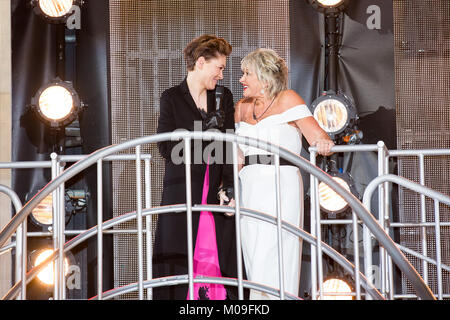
{"x": 254, "y": 105}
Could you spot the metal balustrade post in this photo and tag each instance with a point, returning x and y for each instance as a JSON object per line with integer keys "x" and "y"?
{"x": 61, "y": 237}
{"x": 139, "y": 223}
{"x": 423, "y": 218}
{"x": 55, "y": 222}
{"x": 279, "y": 222}
{"x": 381, "y": 215}
{"x": 367, "y": 243}
{"x": 437, "y": 231}
{"x": 318, "y": 228}
{"x": 387, "y": 200}
{"x": 187, "y": 163}
{"x": 313, "y": 222}
{"x": 356, "y": 255}
{"x": 21, "y": 258}
{"x": 100, "y": 229}
{"x": 148, "y": 229}
{"x": 237, "y": 217}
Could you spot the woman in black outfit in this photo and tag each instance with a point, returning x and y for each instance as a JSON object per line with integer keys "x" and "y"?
{"x": 193, "y": 102}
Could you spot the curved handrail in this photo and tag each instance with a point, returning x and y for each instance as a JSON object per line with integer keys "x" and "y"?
{"x": 414, "y": 186}
{"x": 425, "y": 191}
{"x": 183, "y": 279}
{"x": 179, "y": 208}
{"x": 12, "y": 195}
{"x": 398, "y": 257}
{"x": 17, "y": 206}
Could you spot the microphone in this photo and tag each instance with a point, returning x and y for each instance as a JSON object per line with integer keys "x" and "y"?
{"x": 215, "y": 119}
{"x": 219, "y": 93}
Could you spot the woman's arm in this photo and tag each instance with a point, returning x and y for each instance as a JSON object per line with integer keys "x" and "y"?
{"x": 309, "y": 127}
{"x": 227, "y": 171}
{"x": 166, "y": 123}
{"x": 315, "y": 135}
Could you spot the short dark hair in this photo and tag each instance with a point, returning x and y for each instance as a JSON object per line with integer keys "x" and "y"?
{"x": 207, "y": 46}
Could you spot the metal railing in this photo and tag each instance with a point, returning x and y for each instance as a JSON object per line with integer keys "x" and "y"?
{"x": 386, "y": 269}
{"x": 437, "y": 197}
{"x": 97, "y": 157}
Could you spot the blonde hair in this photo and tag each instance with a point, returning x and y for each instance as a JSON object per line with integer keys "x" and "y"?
{"x": 270, "y": 69}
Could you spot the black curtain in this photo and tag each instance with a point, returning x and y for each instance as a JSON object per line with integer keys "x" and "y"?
{"x": 365, "y": 73}
{"x": 33, "y": 64}
{"x": 95, "y": 123}
{"x": 366, "y": 62}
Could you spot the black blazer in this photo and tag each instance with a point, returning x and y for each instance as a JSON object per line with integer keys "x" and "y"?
{"x": 178, "y": 111}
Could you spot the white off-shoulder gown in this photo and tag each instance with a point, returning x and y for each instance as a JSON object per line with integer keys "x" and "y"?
{"x": 258, "y": 192}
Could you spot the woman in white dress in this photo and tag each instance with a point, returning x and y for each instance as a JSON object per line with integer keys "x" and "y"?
{"x": 269, "y": 111}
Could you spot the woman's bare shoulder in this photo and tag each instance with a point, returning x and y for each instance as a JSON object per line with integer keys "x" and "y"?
{"x": 289, "y": 99}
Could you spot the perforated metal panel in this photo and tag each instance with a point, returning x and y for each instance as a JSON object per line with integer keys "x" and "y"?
{"x": 147, "y": 39}
{"x": 422, "y": 70}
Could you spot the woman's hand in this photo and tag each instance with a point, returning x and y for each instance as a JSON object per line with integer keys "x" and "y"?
{"x": 324, "y": 146}
{"x": 224, "y": 199}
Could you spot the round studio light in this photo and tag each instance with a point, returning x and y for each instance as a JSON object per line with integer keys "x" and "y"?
{"x": 333, "y": 112}
{"x": 55, "y": 8}
{"x": 329, "y": 200}
{"x": 42, "y": 214}
{"x": 54, "y": 11}
{"x": 330, "y": 3}
{"x": 329, "y": 6}
{"x": 57, "y": 103}
{"x": 46, "y": 275}
{"x": 337, "y": 289}
{"x": 332, "y": 115}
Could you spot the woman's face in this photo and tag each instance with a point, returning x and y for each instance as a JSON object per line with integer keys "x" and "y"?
{"x": 212, "y": 71}
{"x": 252, "y": 86}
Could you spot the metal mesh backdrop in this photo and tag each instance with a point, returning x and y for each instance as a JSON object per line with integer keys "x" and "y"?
{"x": 146, "y": 43}
{"x": 422, "y": 71}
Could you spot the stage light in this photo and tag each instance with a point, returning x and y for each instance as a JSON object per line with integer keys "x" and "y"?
{"x": 330, "y": 3}
{"x": 46, "y": 275}
{"x": 335, "y": 288}
{"x": 329, "y": 6}
{"x": 55, "y": 11}
{"x": 55, "y": 8}
{"x": 334, "y": 113}
{"x": 329, "y": 200}
{"x": 57, "y": 103}
{"x": 43, "y": 213}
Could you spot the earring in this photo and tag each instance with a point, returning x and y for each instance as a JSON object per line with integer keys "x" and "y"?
{"x": 262, "y": 91}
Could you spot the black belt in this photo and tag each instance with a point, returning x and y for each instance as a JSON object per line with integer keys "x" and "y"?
{"x": 268, "y": 159}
